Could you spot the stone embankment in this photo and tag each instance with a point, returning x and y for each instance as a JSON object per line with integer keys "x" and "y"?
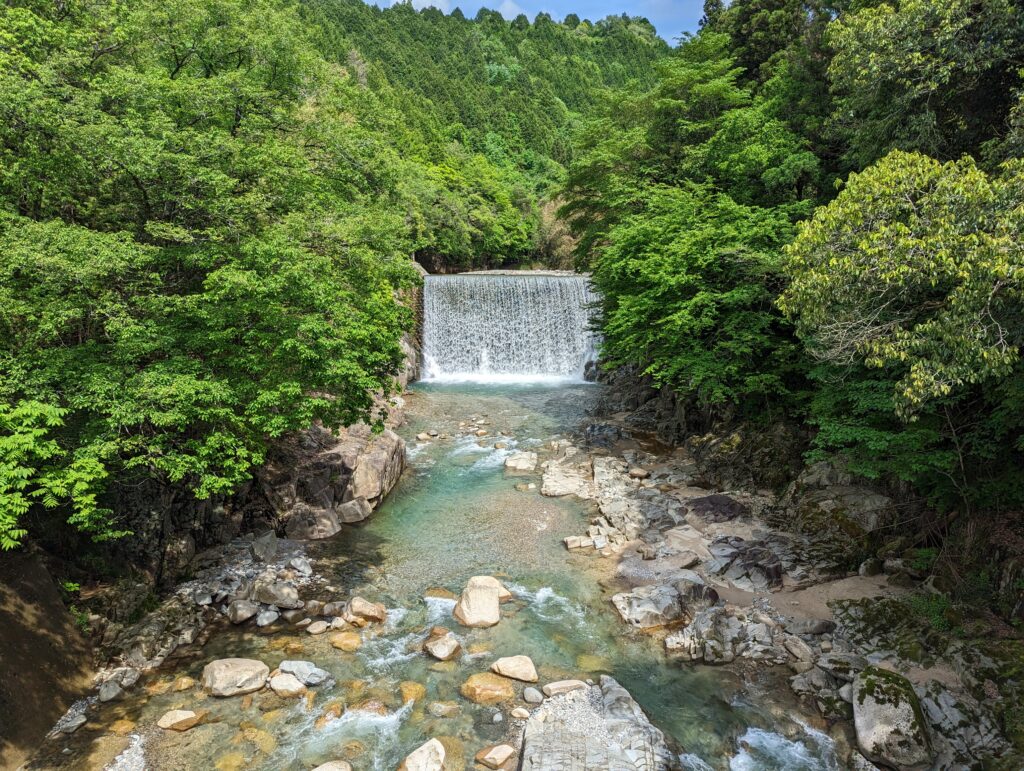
{"x": 713, "y": 574}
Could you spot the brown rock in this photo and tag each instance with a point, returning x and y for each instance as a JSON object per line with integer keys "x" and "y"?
{"x": 487, "y": 688}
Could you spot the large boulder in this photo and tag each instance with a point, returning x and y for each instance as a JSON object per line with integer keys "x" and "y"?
{"x": 516, "y": 667}
{"x": 306, "y": 523}
{"x": 234, "y": 677}
{"x": 599, "y": 728}
{"x": 379, "y": 467}
{"x": 317, "y": 480}
{"x": 649, "y": 607}
{"x": 888, "y": 720}
{"x": 264, "y": 547}
{"x": 240, "y": 611}
{"x": 427, "y": 757}
{"x": 479, "y": 604}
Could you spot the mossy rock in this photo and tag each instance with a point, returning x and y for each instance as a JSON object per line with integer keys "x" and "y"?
{"x": 888, "y": 719}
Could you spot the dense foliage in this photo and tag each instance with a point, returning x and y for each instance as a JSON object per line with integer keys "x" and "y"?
{"x": 207, "y": 209}
{"x": 745, "y": 266}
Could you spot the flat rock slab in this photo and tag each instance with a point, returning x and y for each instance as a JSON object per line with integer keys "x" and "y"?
{"x": 596, "y": 728}
{"x": 234, "y": 677}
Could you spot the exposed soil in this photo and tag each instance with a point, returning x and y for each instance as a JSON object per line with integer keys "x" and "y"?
{"x": 46, "y": 662}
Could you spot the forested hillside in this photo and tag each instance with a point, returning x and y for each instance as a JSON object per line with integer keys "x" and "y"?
{"x": 206, "y": 209}
{"x": 816, "y": 215}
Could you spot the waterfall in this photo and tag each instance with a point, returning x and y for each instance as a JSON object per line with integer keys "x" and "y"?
{"x": 507, "y": 327}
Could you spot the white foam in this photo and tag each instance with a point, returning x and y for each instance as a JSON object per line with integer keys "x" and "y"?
{"x": 548, "y": 604}
{"x": 693, "y": 762}
{"x": 762, "y": 750}
{"x": 438, "y": 609}
{"x": 133, "y": 758}
{"x": 383, "y": 653}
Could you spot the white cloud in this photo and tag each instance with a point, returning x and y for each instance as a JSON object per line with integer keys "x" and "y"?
{"x": 510, "y": 9}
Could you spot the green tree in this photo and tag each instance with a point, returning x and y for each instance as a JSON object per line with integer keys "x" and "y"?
{"x": 916, "y": 266}
{"x": 926, "y": 76}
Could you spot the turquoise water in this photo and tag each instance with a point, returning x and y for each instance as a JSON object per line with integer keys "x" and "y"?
{"x": 455, "y": 514}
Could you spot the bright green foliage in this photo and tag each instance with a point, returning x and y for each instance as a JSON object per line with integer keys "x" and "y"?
{"x": 683, "y": 198}
{"x": 922, "y": 75}
{"x": 207, "y": 209}
{"x": 688, "y": 299}
{"x": 200, "y": 250}
{"x": 917, "y": 267}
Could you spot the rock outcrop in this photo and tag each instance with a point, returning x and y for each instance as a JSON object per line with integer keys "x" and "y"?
{"x": 595, "y": 728}
{"x": 318, "y": 480}
{"x": 234, "y": 677}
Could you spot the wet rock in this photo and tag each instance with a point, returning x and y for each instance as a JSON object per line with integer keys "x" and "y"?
{"x": 495, "y": 756}
{"x": 264, "y": 547}
{"x": 563, "y": 686}
{"x": 348, "y": 642}
{"x": 487, "y": 688}
{"x": 532, "y": 696}
{"x": 516, "y": 667}
{"x": 234, "y": 677}
{"x": 359, "y": 609}
{"x": 649, "y": 607}
{"x": 318, "y": 627}
{"x": 301, "y": 565}
{"x": 521, "y": 461}
{"x": 267, "y": 617}
{"x": 478, "y": 606}
{"x": 306, "y": 672}
{"x": 598, "y": 728}
{"x": 287, "y": 686}
{"x": 888, "y": 720}
{"x": 427, "y": 757}
{"x": 443, "y": 646}
{"x": 241, "y": 611}
{"x": 444, "y": 708}
{"x": 179, "y": 720}
{"x": 411, "y": 691}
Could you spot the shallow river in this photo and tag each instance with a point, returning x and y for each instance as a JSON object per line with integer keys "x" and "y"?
{"x": 456, "y": 514}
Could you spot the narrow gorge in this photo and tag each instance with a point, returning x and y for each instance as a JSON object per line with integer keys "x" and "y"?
{"x": 544, "y": 588}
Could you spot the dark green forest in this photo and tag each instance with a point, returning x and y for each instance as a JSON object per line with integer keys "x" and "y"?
{"x": 805, "y": 212}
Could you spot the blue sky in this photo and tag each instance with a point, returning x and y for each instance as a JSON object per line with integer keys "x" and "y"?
{"x": 670, "y": 17}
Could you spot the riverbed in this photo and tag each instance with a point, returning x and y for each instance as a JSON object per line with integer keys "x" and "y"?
{"x": 457, "y": 513}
